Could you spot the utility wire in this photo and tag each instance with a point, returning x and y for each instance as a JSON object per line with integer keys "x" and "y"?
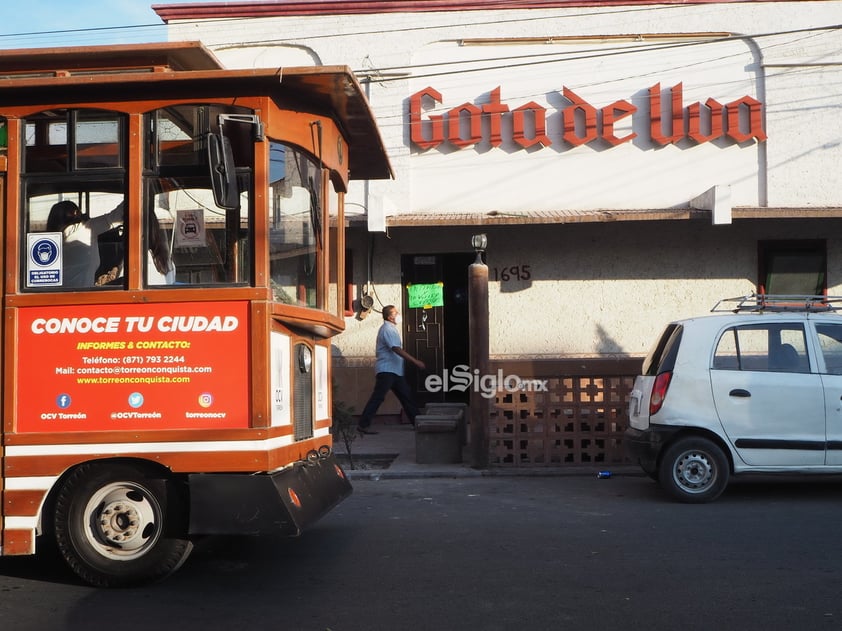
{"x": 447, "y": 68}
{"x": 578, "y": 55}
{"x": 334, "y": 34}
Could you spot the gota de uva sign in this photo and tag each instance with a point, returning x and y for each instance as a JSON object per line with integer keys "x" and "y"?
{"x": 667, "y": 120}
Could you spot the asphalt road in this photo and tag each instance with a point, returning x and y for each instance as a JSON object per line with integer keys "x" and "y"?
{"x": 506, "y": 553}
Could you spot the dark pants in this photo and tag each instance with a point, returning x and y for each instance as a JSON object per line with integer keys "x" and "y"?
{"x": 385, "y": 381}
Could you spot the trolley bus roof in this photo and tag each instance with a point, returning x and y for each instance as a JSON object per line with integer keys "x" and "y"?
{"x": 188, "y": 69}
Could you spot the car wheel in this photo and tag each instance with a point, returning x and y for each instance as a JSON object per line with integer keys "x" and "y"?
{"x": 694, "y": 470}
{"x": 116, "y": 526}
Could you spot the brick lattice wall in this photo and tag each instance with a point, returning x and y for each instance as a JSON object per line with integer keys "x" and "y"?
{"x": 579, "y": 420}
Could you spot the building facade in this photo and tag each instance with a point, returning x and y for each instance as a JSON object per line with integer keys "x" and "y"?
{"x": 629, "y": 162}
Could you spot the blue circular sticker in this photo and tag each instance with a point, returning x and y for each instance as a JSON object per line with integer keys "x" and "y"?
{"x": 44, "y": 252}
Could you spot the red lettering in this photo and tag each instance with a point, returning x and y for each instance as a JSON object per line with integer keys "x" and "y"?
{"x": 539, "y": 118}
{"x": 754, "y": 119}
{"x": 610, "y": 115}
{"x": 474, "y": 125}
{"x": 585, "y": 112}
{"x": 436, "y": 123}
{"x": 694, "y": 123}
{"x": 495, "y": 110}
{"x": 463, "y": 126}
{"x": 676, "y": 121}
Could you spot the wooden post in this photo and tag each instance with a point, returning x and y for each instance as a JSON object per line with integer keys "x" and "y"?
{"x": 480, "y": 406}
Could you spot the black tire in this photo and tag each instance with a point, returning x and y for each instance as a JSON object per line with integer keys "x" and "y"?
{"x": 115, "y": 526}
{"x": 694, "y": 470}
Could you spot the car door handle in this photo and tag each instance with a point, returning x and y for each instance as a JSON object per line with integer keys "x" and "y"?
{"x": 739, "y": 392}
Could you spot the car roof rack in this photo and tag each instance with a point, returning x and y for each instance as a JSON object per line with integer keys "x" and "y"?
{"x": 758, "y": 303}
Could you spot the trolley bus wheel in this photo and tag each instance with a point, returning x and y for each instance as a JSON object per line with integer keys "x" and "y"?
{"x": 116, "y": 526}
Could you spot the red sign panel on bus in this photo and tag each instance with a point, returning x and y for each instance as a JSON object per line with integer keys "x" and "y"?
{"x": 135, "y": 367}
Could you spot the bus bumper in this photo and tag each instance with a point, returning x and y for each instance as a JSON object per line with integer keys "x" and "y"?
{"x": 285, "y": 502}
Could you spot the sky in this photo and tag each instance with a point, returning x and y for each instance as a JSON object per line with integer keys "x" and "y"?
{"x": 50, "y": 23}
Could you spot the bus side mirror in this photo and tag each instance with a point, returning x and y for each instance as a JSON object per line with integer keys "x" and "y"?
{"x": 222, "y": 173}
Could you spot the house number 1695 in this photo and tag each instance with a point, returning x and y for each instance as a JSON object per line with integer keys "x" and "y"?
{"x": 514, "y": 272}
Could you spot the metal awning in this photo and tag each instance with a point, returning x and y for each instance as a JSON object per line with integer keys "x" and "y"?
{"x": 491, "y": 218}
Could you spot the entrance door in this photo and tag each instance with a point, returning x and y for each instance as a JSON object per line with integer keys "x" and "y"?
{"x": 437, "y": 335}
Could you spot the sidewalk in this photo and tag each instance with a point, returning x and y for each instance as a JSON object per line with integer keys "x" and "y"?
{"x": 396, "y": 441}
{"x": 390, "y": 454}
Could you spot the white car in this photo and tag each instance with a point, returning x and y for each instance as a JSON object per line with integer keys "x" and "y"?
{"x": 754, "y": 387}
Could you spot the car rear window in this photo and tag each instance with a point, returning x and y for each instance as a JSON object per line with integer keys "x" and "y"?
{"x": 662, "y": 356}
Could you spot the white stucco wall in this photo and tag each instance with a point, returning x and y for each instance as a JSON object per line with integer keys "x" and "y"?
{"x": 595, "y": 289}
{"x": 794, "y": 168}
{"x": 602, "y": 288}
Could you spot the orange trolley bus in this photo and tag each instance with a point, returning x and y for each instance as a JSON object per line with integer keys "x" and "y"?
{"x": 173, "y": 276}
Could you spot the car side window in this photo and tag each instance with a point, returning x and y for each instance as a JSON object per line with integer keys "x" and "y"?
{"x": 763, "y": 348}
{"x": 830, "y": 343}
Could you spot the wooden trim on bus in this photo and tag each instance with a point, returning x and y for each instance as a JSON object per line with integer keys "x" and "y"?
{"x": 151, "y": 436}
{"x": 296, "y": 128}
{"x": 341, "y": 288}
{"x": 134, "y": 220}
{"x": 172, "y": 55}
{"x": 261, "y": 212}
{"x": 3, "y": 339}
{"x": 281, "y": 125}
{"x": 323, "y": 271}
{"x": 129, "y": 437}
{"x": 18, "y": 541}
{"x": 10, "y": 359}
{"x": 260, "y": 378}
{"x": 12, "y": 216}
{"x": 209, "y": 461}
{"x": 173, "y": 293}
{"x": 23, "y": 503}
{"x": 320, "y": 323}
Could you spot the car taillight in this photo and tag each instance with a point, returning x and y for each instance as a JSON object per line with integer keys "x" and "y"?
{"x": 659, "y": 391}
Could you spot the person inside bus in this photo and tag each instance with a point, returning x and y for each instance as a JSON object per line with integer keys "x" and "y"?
{"x": 160, "y": 269}
{"x": 80, "y": 255}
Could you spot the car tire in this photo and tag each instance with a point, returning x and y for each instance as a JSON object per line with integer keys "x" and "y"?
{"x": 694, "y": 470}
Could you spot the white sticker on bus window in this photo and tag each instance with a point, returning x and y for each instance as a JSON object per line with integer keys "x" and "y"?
{"x": 190, "y": 232}
{"x": 43, "y": 265}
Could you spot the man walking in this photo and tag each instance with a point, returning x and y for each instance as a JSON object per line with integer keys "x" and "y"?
{"x": 389, "y": 371}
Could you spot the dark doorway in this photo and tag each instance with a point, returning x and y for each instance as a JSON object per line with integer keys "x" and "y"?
{"x": 438, "y": 335}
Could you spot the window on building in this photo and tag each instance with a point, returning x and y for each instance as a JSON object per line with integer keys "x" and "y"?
{"x": 793, "y": 267}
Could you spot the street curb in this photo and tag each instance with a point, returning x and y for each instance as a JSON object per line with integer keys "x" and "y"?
{"x": 386, "y": 474}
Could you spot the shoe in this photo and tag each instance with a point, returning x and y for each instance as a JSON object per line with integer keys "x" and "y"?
{"x": 365, "y": 430}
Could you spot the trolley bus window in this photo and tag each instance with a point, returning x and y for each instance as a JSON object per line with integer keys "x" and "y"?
{"x": 74, "y": 188}
{"x": 295, "y": 225}
{"x": 205, "y": 244}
